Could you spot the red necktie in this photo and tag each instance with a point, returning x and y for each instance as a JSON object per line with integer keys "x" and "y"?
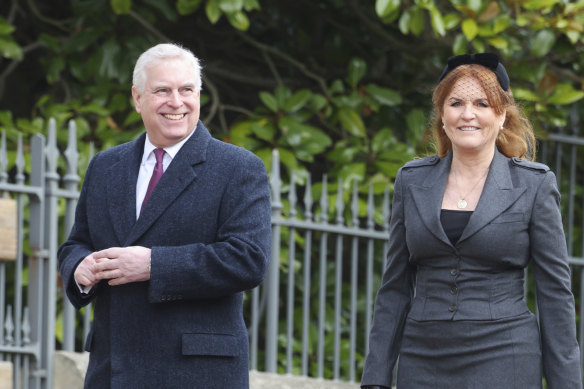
{"x": 156, "y": 174}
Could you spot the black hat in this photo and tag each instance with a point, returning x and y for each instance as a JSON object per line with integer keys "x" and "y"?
{"x": 488, "y": 60}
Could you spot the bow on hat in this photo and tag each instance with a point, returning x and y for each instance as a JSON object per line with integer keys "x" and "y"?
{"x": 488, "y": 60}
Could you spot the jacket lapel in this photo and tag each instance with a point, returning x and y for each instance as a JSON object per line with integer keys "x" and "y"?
{"x": 121, "y": 188}
{"x": 498, "y": 195}
{"x": 428, "y": 197}
{"x": 178, "y": 176}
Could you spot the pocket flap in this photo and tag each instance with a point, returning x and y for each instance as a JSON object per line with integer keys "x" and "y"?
{"x": 218, "y": 345}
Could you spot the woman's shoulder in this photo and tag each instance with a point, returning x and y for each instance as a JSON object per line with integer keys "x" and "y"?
{"x": 529, "y": 165}
{"x": 421, "y": 162}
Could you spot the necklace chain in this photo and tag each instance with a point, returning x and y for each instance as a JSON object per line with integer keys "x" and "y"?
{"x": 462, "y": 203}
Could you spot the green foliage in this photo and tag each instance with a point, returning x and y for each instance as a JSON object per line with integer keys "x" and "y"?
{"x": 340, "y": 87}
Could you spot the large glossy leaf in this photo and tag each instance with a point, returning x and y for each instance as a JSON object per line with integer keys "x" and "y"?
{"x": 305, "y": 139}
{"x": 470, "y": 28}
{"x": 565, "y": 94}
{"x": 298, "y": 100}
{"x": 187, "y": 7}
{"x": 542, "y": 43}
{"x": 416, "y": 120}
{"x": 357, "y": 69}
{"x": 264, "y": 130}
{"x": 384, "y": 8}
{"x": 238, "y": 19}
{"x": 9, "y": 49}
{"x": 229, "y": 6}
{"x": 352, "y": 172}
{"x": 351, "y": 121}
{"x": 269, "y": 100}
{"x": 437, "y": 22}
{"x": 382, "y": 140}
{"x": 491, "y": 11}
{"x": 250, "y": 5}
{"x": 121, "y": 6}
{"x": 417, "y": 20}
{"x": 534, "y": 5}
{"x": 213, "y": 11}
{"x": 346, "y": 150}
{"x": 384, "y": 96}
{"x": 525, "y": 94}
{"x": 5, "y": 27}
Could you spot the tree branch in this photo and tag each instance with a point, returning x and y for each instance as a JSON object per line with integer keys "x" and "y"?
{"x": 149, "y": 27}
{"x": 56, "y": 23}
{"x": 301, "y": 66}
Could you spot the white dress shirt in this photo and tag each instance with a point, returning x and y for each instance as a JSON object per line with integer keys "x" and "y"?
{"x": 147, "y": 167}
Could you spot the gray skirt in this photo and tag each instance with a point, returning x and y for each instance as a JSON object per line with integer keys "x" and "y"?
{"x": 501, "y": 354}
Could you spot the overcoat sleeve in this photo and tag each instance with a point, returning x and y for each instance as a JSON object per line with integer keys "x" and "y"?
{"x": 237, "y": 258}
{"x": 555, "y": 302}
{"x": 393, "y": 299}
{"x": 77, "y": 246}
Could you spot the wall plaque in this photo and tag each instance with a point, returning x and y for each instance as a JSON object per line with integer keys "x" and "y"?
{"x": 8, "y": 229}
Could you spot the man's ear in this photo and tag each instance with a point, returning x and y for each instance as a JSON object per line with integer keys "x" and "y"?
{"x": 136, "y": 96}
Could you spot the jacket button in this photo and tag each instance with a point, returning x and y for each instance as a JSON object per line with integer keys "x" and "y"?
{"x": 454, "y": 290}
{"x": 452, "y": 308}
{"x": 453, "y": 272}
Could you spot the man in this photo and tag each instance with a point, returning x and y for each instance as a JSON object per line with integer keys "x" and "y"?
{"x": 167, "y": 266}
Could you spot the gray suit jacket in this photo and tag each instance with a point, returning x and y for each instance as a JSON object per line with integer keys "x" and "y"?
{"x": 517, "y": 221}
{"x": 208, "y": 225}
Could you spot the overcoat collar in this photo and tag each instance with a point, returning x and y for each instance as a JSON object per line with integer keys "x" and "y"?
{"x": 497, "y": 196}
{"x": 123, "y": 175}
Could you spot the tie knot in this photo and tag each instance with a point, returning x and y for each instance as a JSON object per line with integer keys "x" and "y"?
{"x": 159, "y": 154}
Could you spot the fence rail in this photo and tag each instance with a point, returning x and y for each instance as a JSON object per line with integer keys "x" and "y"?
{"x": 312, "y": 314}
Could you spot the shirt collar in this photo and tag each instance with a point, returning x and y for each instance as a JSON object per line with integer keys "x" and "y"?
{"x": 171, "y": 150}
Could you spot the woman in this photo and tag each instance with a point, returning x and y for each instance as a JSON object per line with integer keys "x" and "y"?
{"x": 464, "y": 226}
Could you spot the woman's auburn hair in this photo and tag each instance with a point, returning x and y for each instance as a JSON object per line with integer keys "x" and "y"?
{"x": 515, "y": 140}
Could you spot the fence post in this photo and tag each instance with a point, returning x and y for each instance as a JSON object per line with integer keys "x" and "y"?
{"x": 71, "y": 180}
{"x": 36, "y": 268}
{"x": 52, "y": 237}
{"x": 273, "y": 280}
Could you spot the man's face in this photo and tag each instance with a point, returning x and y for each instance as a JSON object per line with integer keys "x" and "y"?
{"x": 169, "y": 105}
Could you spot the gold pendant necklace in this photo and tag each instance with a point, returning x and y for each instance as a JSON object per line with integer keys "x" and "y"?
{"x": 462, "y": 203}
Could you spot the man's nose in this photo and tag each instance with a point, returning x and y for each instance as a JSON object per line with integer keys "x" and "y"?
{"x": 175, "y": 100}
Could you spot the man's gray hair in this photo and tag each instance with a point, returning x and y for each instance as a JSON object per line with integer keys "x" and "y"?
{"x": 164, "y": 51}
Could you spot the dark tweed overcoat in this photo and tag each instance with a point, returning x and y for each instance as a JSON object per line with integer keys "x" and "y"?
{"x": 208, "y": 225}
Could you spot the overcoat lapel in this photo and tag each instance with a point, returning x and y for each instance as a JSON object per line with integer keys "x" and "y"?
{"x": 177, "y": 177}
{"x": 497, "y": 196}
{"x": 121, "y": 188}
{"x": 428, "y": 197}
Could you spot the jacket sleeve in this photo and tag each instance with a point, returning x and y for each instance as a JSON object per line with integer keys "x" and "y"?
{"x": 555, "y": 302}
{"x": 237, "y": 259}
{"x": 393, "y": 300}
{"x": 77, "y": 247}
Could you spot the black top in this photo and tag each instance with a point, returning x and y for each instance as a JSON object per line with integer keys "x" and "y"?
{"x": 454, "y": 222}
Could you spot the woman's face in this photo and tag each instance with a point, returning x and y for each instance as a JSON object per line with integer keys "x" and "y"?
{"x": 469, "y": 122}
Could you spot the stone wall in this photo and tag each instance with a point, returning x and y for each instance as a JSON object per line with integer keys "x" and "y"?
{"x": 70, "y": 371}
